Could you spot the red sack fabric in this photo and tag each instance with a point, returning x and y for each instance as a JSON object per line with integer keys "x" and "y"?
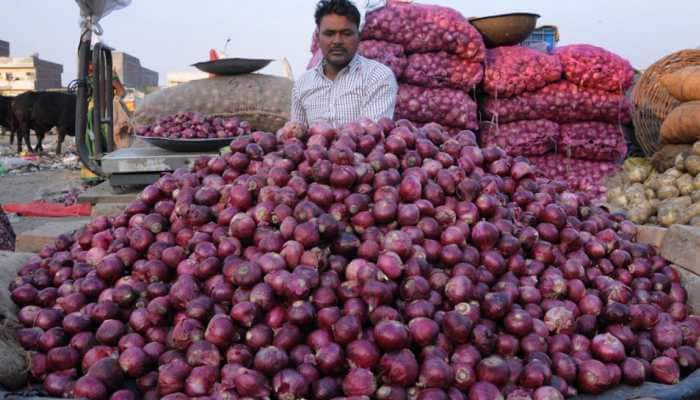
{"x": 423, "y": 28}
{"x": 512, "y": 70}
{"x": 442, "y": 70}
{"x": 522, "y": 138}
{"x": 596, "y": 68}
{"x": 596, "y": 141}
{"x": 44, "y": 209}
{"x": 581, "y": 175}
{"x": 448, "y": 107}
{"x": 561, "y": 102}
{"x": 389, "y": 54}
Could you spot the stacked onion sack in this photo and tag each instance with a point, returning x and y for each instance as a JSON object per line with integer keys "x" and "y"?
{"x": 563, "y": 110}
{"x": 378, "y": 260}
{"x": 436, "y": 56}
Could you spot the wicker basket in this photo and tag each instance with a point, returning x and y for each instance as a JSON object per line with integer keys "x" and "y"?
{"x": 653, "y": 102}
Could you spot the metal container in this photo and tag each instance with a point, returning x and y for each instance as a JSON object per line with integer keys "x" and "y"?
{"x": 232, "y": 66}
{"x": 187, "y": 145}
{"x": 505, "y": 29}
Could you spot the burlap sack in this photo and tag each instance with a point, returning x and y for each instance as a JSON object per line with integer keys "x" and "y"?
{"x": 13, "y": 358}
{"x": 263, "y": 100}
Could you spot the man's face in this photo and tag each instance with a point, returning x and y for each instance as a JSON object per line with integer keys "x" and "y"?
{"x": 338, "y": 39}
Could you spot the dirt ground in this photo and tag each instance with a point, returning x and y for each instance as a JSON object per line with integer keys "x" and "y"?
{"x": 49, "y": 178}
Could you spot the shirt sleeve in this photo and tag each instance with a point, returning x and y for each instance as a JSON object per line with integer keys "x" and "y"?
{"x": 297, "y": 113}
{"x": 381, "y": 99}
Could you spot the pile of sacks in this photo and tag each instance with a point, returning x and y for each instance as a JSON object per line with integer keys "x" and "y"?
{"x": 564, "y": 110}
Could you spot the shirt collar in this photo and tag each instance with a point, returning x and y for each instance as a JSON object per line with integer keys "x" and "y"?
{"x": 353, "y": 66}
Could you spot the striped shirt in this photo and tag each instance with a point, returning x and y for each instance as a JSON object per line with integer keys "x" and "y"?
{"x": 365, "y": 88}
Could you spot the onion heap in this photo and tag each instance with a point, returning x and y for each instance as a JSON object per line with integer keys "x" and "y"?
{"x": 377, "y": 260}
{"x": 195, "y": 125}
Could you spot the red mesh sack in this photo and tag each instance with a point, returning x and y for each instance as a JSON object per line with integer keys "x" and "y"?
{"x": 423, "y": 28}
{"x": 448, "y": 107}
{"x": 389, "y": 54}
{"x": 522, "y": 138}
{"x": 561, "y": 102}
{"x": 580, "y": 175}
{"x": 512, "y": 70}
{"x": 442, "y": 70}
{"x": 593, "y": 141}
{"x": 594, "y": 67}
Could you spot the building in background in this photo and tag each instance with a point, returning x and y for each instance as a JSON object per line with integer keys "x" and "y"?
{"x": 131, "y": 72}
{"x": 4, "y": 48}
{"x": 176, "y": 78}
{"x": 20, "y": 74}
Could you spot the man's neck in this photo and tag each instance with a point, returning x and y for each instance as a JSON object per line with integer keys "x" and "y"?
{"x": 331, "y": 71}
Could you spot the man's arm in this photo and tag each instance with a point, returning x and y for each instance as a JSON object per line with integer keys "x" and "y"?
{"x": 297, "y": 113}
{"x": 381, "y": 99}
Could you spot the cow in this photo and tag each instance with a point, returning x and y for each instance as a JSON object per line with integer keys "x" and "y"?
{"x": 42, "y": 111}
{"x": 6, "y": 116}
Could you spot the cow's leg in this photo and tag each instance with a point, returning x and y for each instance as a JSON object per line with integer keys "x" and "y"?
{"x": 61, "y": 137}
{"x": 12, "y": 137}
{"x": 39, "y": 141}
{"x": 23, "y": 135}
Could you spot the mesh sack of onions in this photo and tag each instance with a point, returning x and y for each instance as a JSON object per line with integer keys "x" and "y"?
{"x": 596, "y": 68}
{"x": 449, "y": 107}
{"x": 423, "y": 28}
{"x": 512, "y": 70}
{"x": 522, "y": 138}
{"x": 389, "y": 54}
{"x": 442, "y": 70}
{"x": 372, "y": 261}
{"x": 581, "y": 175}
{"x": 561, "y": 102}
{"x": 596, "y": 141}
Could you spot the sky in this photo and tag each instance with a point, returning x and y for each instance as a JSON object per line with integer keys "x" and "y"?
{"x": 169, "y": 35}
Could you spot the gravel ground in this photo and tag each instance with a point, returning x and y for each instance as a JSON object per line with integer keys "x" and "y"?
{"x": 49, "y": 178}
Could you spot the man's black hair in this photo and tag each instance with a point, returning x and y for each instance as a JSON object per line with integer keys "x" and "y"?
{"x": 343, "y": 8}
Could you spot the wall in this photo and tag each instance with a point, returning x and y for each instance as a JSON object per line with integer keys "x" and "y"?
{"x": 20, "y": 74}
{"x": 130, "y": 71}
{"x": 4, "y": 48}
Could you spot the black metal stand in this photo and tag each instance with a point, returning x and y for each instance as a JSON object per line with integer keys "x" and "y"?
{"x": 99, "y": 87}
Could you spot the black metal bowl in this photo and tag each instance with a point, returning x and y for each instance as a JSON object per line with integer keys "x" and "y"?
{"x": 187, "y": 145}
{"x": 232, "y": 66}
{"x": 505, "y": 29}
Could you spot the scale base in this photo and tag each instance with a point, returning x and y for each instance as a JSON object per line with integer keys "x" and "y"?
{"x": 141, "y": 166}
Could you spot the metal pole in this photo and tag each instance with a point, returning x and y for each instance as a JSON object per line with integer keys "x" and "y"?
{"x": 81, "y": 106}
{"x": 109, "y": 117}
{"x": 97, "y": 100}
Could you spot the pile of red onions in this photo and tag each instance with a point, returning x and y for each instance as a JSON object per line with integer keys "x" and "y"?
{"x": 194, "y": 125}
{"x": 453, "y": 108}
{"x": 443, "y": 70}
{"x": 561, "y": 102}
{"x": 596, "y": 141}
{"x": 581, "y": 175}
{"x": 421, "y": 28}
{"x": 596, "y": 68}
{"x": 377, "y": 260}
{"x": 512, "y": 70}
{"x": 522, "y": 138}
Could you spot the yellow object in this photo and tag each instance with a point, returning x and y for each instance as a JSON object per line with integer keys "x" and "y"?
{"x": 86, "y": 174}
